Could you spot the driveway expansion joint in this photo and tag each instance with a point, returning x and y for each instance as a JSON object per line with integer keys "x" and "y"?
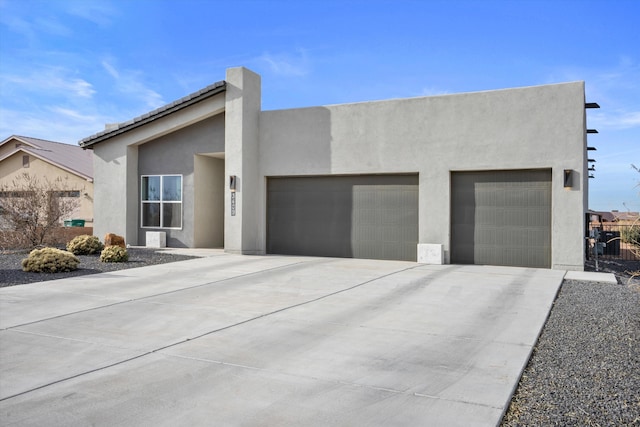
{"x": 334, "y": 367}
{"x": 160, "y": 349}
{"x": 149, "y": 296}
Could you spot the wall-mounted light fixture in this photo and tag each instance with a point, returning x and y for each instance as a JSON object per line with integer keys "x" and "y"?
{"x": 233, "y": 180}
{"x": 568, "y": 178}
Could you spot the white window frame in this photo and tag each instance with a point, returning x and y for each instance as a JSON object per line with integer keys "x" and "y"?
{"x": 161, "y": 202}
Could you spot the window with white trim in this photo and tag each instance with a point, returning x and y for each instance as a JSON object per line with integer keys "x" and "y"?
{"x": 161, "y": 199}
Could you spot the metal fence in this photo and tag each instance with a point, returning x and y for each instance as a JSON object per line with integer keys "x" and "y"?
{"x": 615, "y": 241}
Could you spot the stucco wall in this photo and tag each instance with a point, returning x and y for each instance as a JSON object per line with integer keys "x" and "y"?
{"x": 539, "y": 127}
{"x": 117, "y": 179}
{"x": 115, "y": 172}
{"x": 523, "y": 128}
{"x": 174, "y": 154}
{"x": 242, "y": 119}
{"x": 11, "y": 167}
{"x": 7, "y": 148}
{"x": 209, "y": 188}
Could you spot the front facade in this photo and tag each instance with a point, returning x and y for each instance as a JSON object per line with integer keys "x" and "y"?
{"x": 50, "y": 160}
{"x": 495, "y": 177}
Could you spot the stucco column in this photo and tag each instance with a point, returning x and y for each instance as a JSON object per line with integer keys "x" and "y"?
{"x": 133, "y": 197}
{"x": 115, "y": 207}
{"x": 242, "y": 116}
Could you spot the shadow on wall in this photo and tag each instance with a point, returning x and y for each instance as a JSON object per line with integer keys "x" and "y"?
{"x": 179, "y": 153}
{"x": 303, "y": 218}
{"x": 501, "y": 218}
{"x": 356, "y": 216}
{"x": 296, "y": 142}
{"x": 311, "y": 213}
{"x": 309, "y": 216}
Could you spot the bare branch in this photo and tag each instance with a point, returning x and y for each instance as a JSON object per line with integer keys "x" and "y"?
{"x": 34, "y": 208}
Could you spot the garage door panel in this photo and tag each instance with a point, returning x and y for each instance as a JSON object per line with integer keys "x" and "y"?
{"x": 364, "y": 216}
{"x": 501, "y": 218}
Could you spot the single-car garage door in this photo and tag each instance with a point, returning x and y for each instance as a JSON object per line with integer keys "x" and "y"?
{"x": 363, "y": 216}
{"x": 501, "y": 218}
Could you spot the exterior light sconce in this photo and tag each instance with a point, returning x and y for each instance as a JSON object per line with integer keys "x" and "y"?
{"x": 233, "y": 181}
{"x": 568, "y": 178}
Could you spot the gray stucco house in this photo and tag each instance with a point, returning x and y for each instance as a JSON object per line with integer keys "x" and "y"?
{"x": 497, "y": 177}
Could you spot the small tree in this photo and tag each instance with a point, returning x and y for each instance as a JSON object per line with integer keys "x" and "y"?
{"x": 34, "y": 208}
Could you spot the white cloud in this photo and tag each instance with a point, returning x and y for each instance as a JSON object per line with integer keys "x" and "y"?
{"x": 130, "y": 83}
{"x": 52, "y": 26}
{"x": 151, "y": 98}
{"x": 56, "y": 124}
{"x": 100, "y": 13}
{"x": 433, "y": 91}
{"x": 72, "y": 114}
{"x": 18, "y": 25}
{"x": 286, "y": 64}
{"x": 615, "y": 88}
{"x": 614, "y": 120}
{"x": 110, "y": 69}
{"x": 49, "y": 81}
{"x": 79, "y": 87}
{"x": 32, "y": 25}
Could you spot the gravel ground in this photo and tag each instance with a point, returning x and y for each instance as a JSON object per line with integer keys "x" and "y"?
{"x": 11, "y": 268}
{"x": 584, "y": 370}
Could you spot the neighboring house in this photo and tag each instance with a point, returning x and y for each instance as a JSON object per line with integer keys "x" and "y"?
{"x": 614, "y": 216}
{"x": 497, "y": 177}
{"x": 625, "y": 216}
{"x": 601, "y": 216}
{"x": 51, "y": 160}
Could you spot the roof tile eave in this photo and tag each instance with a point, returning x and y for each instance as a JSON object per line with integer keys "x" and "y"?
{"x": 183, "y": 102}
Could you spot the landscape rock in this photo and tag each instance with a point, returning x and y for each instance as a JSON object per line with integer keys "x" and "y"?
{"x": 111, "y": 239}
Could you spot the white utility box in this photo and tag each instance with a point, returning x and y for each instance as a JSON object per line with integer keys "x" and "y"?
{"x": 156, "y": 239}
{"x": 430, "y": 253}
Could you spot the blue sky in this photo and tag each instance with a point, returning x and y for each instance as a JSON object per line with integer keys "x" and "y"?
{"x": 67, "y": 67}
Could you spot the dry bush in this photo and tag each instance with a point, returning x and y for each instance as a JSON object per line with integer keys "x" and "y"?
{"x": 114, "y": 254}
{"x": 35, "y": 208}
{"x": 633, "y": 239}
{"x": 85, "y": 245}
{"x": 634, "y": 235}
{"x": 50, "y": 260}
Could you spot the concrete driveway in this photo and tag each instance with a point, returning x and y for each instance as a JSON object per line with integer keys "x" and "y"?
{"x": 235, "y": 340}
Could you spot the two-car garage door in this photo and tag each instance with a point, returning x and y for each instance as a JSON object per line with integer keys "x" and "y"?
{"x": 354, "y": 216}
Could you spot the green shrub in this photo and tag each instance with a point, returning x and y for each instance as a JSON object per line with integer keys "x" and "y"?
{"x": 50, "y": 260}
{"x": 85, "y": 245}
{"x": 114, "y": 254}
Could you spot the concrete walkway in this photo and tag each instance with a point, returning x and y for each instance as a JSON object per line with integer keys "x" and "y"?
{"x": 232, "y": 340}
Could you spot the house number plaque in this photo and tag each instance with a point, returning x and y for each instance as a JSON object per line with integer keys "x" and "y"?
{"x": 233, "y": 203}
